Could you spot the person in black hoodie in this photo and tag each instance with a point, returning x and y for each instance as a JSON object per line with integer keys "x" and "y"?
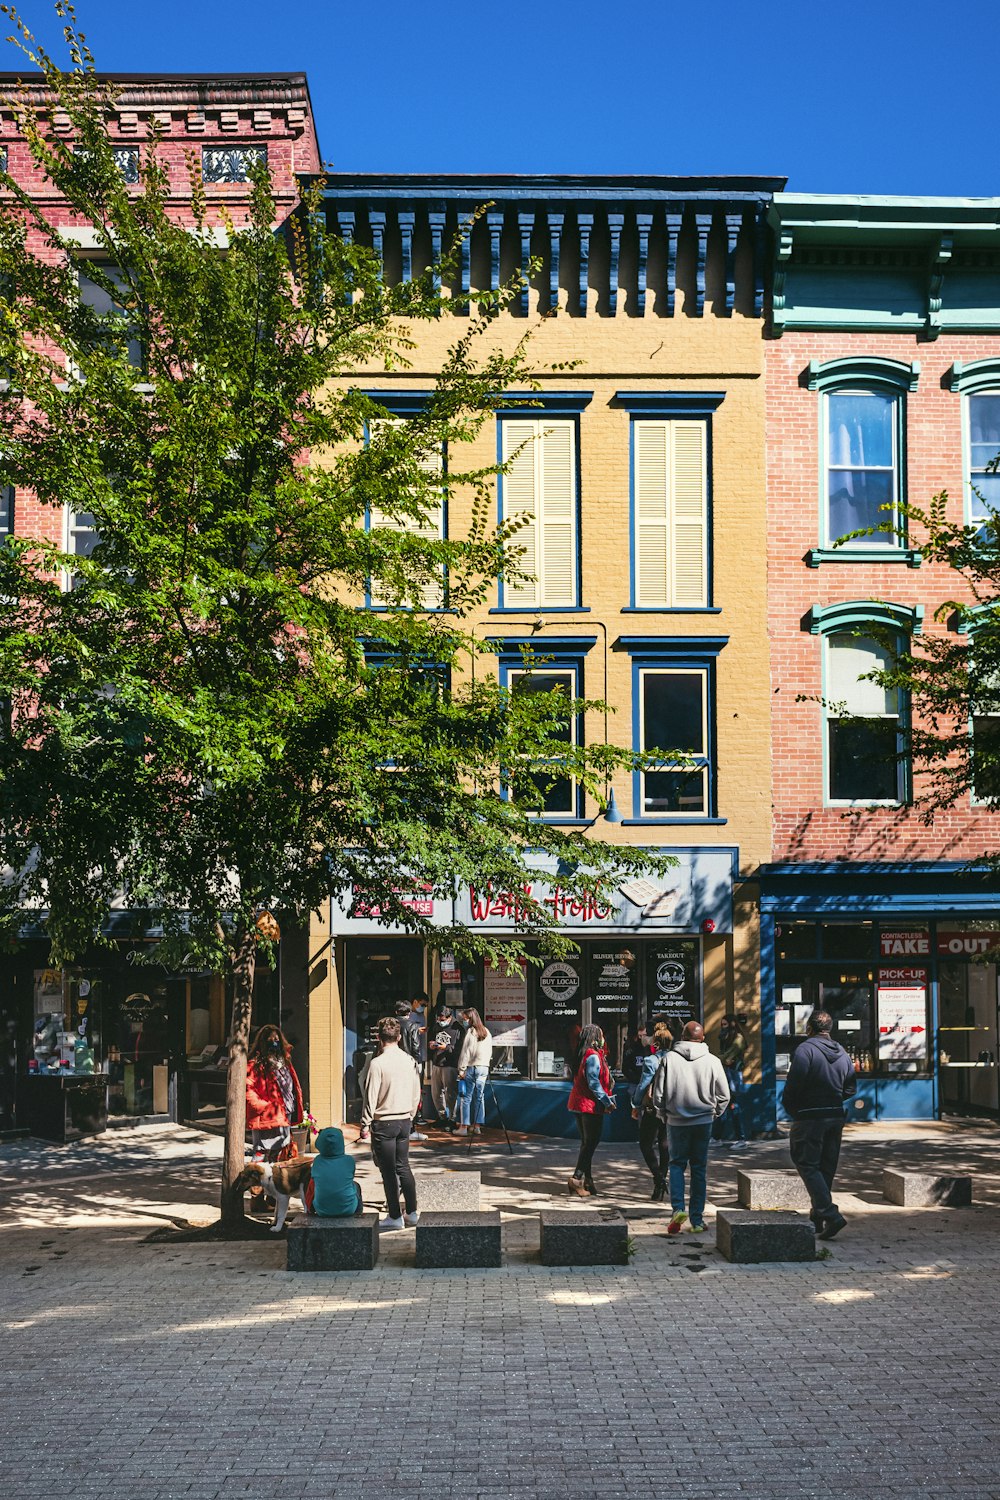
{"x": 820, "y": 1077}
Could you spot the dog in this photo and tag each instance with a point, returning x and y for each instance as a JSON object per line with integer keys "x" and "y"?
{"x": 280, "y": 1181}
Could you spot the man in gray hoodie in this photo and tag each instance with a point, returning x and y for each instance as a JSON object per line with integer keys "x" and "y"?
{"x": 690, "y": 1091}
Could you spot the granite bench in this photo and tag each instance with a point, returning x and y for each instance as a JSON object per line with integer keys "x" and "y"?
{"x": 319, "y": 1244}
{"x": 584, "y": 1237}
{"x": 453, "y": 1240}
{"x": 450, "y": 1192}
{"x": 748, "y": 1237}
{"x": 926, "y": 1190}
{"x": 772, "y": 1190}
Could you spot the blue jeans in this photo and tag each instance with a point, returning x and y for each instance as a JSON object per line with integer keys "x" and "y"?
{"x": 471, "y": 1101}
{"x": 734, "y": 1114}
{"x": 689, "y": 1143}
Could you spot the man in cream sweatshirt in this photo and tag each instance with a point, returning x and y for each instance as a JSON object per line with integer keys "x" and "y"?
{"x": 391, "y": 1096}
{"x": 689, "y": 1092}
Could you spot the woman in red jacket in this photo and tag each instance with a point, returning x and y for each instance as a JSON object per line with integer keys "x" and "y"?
{"x": 274, "y": 1095}
{"x": 590, "y": 1100}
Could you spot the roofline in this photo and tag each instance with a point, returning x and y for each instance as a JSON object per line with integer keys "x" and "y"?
{"x": 467, "y": 181}
{"x": 39, "y": 77}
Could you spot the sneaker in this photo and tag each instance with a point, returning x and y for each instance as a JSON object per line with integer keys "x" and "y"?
{"x": 386, "y": 1224}
{"x": 462, "y": 1130}
{"x": 698, "y": 1228}
{"x": 831, "y": 1226}
{"x": 411, "y": 1220}
{"x": 415, "y": 1135}
{"x": 677, "y": 1222}
{"x": 740, "y": 1145}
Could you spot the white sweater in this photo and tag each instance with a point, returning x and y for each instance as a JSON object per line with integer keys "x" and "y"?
{"x": 475, "y": 1053}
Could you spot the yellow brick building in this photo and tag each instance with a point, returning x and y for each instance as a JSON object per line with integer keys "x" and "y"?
{"x": 644, "y": 485}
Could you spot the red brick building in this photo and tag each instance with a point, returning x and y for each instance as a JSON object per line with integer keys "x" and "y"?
{"x": 883, "y": 384}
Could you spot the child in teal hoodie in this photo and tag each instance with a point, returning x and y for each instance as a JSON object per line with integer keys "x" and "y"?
{"x": 335, "y": 1194}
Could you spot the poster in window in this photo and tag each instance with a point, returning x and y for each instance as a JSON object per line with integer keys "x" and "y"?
{"x": 558, "y": 1002}
{"x": 613, "y": 977}
{"x": 505, "y": 1003}
{"x": 672, "y": 983}
{"x": 901, "y": 997}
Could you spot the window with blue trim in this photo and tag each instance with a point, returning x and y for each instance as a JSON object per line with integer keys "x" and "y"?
{"x": 430, "y": 525}
{"x": 673, "y": 695}
{"x": 546, "y": 791}
{"x": 539, "y": 497}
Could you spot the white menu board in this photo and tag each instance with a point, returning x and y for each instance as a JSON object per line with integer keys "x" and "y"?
{"x": 505, "y": 1004}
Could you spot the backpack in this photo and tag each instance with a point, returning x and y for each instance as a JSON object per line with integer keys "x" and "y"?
{"x": 632, "y": 1059}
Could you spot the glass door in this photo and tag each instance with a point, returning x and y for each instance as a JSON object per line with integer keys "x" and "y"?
{"x": 967, "y": 1037}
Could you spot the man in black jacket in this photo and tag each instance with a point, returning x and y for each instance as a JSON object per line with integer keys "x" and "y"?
{"x": 821, "y": 1076}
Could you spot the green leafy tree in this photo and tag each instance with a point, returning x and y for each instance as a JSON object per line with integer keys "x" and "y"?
{"x": 198, "y": 714}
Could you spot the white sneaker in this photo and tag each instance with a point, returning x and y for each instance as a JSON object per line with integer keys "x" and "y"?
{"x": 390, "y": 1223}
{"x": 462, "y": 1130}
{"x": 412, "y": 1219}
{"x": 416, "y": 1136}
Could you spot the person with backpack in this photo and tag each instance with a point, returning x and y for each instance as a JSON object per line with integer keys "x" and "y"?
{"x": 634, "y": 1055}
{"x": 590, "y": 1099}
{"x": 652, "y": 1130}
{"x": 689, "y": 1092}
{"x": 413, "y": 1041}
{"x": 820, "y": 1078}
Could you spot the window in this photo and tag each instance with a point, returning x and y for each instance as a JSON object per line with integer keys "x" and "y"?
{"x": 539, "y": 491}
{"x": 984, "y": 719}
{"x": 670, "y": 514}
{"x": 82, "y": 536}
{"x": 552, "y": 794}
{"x": 6, "y": 512}
{"x": 984, "y": 449}
{"x": 863, "y": 724}
{"x": 431, "y": 526}
{"x": 674, "y": 719}
{"x": 112, "y": 327}
{"x": 862, "y": 464}
{"x": 126, "y": 159}
{"x": 230, "y": 163}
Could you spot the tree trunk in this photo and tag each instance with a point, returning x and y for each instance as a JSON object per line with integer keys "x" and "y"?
{"x": 236, "y": 1078}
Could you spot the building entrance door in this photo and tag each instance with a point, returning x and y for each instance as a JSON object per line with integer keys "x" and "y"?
{"x": 967, "y": 1037}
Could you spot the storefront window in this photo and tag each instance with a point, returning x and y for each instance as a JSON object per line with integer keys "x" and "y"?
{"x": 795, "y": 939}
{"x": 505, "y": 1013}
{"x": 673, "y": 983}
{"x": 848, "y": 940}
{"x": 558, "y": 1015}
{"x": 614, "y": 996}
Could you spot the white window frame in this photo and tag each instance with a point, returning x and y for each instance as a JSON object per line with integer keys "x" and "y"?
{"x": 898, "y": 416}
{"x": 830, "y": 717}
{"x": 971, "y": 501}
{"x": 702, "y": 760}
{"x": 520, "y": 436}
{"x": 556, "y": 669}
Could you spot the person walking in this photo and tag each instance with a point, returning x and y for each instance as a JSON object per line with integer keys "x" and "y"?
{"x": 474, "y": 1059}
{"x": 652, "y": 1130}
{"x": 820, "y": 1078}
{"x": 443, "y": 1046}
{"x": 689, "y": 1092}
{"x": 392, "y": 1093}
{"x": 732, "y": 1050}
{"x": 413, "y": 1040}
{"x": 274, "y": 1094}
{"x": 590, "y": 1099}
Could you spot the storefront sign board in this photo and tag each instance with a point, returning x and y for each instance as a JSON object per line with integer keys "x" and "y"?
{"x": 901, "y": 998}
{"x": 505, "y": 1004}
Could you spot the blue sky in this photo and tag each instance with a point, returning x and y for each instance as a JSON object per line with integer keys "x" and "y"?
{"x": 872, "y": 96}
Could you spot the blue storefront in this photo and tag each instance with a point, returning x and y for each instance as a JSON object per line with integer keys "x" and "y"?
{"x": 905, "y": 958}
{"x": 640, "y": 952}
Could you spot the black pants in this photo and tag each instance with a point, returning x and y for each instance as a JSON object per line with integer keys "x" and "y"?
{"x": 591, "y": 1128}
{"x": 815, "y": 1151}
{"x": 653, "y": 1144}
{"x": 391, "y": 1150}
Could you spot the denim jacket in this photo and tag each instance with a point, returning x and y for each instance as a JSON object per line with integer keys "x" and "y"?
{"x": 649, "y": 1067}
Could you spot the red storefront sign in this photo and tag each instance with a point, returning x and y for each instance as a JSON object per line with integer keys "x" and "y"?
{"x": 509, "y": 904}
{"x": 966, "y": 944}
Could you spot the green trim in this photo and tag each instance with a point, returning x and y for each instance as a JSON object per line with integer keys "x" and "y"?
{"x": 848, "y": 554}
{"x": 832, "y": 619}
{"x": 866, "y": 370}
{"x": 976, "y": 375}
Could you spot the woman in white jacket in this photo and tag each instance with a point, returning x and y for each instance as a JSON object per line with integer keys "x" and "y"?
{"x": 473, "y": 1071}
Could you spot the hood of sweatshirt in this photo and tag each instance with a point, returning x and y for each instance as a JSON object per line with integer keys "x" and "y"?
{"x": 824, "y": 1042}
{"x": 691, "y": 1050}
{"x": 330, "y": 1142}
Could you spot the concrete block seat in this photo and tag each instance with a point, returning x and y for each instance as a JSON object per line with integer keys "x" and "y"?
{"x": 772, "y": 1190}
{"x": 584, "y": 1237}
{"x": 453, "y": 1240}
{"x": 319, "y": 1244}
{"x": 748, "y": 1237}
{"x": 925, "y": 1190}
{"x": 450, "y": 1192}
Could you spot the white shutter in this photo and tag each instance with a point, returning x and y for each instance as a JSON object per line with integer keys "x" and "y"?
{"x": 557, "y": 473}
{"x": 431, "y": 596}
{"x": 848, "y": 659}
{"x": 690, "y": 518}
{"x": 520, "y": 503}
{"x": 670, "y": 495}
{"x": 651, "y": 496}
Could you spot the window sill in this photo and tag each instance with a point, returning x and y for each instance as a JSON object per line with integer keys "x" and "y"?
{"x": 667, "y": 609}
{"x": 843, "y": 806}
{"x": 693, "y": 822}
{"x": 908, "y": 555}
{"x": 562, "y": 821}
{"x": 540, "y": 609}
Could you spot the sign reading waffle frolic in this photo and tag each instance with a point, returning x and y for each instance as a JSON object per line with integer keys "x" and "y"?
{"x": 902, "y": 1016}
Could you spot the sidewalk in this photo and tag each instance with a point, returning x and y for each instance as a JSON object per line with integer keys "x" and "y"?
{"x": 156, "y": 1372}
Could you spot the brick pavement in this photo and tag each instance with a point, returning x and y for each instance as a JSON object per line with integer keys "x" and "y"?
{"x": 207, "y": 1371}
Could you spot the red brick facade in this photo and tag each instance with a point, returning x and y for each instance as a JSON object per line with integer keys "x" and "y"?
{"x": 805, "y": 829}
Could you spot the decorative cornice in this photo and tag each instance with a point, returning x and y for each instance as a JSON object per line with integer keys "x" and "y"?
{"x": 852, "y": 615}
{"x": 868, "y": 370}
{"x": 975, "y": 375}
{"x": 670, "y": 403}
{"x": 674, "y": 645}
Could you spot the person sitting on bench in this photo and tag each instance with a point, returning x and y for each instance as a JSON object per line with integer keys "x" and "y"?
{"x": 332, "y": 1192}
